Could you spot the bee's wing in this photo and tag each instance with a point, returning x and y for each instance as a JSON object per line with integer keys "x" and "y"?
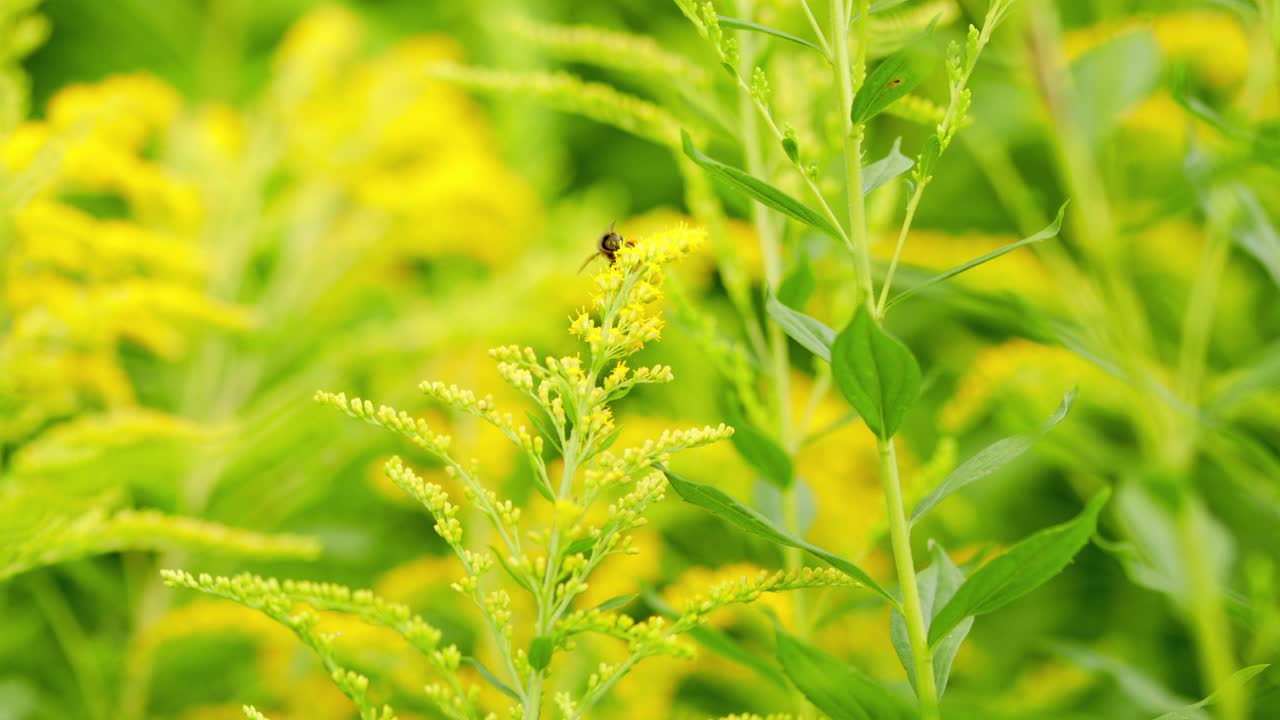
{"x": 587, "y": 262}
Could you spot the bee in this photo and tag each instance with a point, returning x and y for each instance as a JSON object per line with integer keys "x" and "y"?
{"x": 607, "y": 247}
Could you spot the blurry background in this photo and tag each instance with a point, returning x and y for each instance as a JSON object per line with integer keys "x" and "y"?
{"x": 214, "y": 208}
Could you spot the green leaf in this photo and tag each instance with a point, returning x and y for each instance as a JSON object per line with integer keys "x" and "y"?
{"x": 760, "y": 450}
{"x": 882, "y": 171}
{"x": 540, "y": 652}
{"x": 791, "y": 148}
{"x": 876, "y": 373}
{"x": 492, "y": 679}
{"x": 737, "y": 24}
{"x": 798, "y": 287}
{"x": 888, "y": 82}
{"x": 937, "y": 583}
{"x": 718, "y": 642}
{"x": 581, "y": 545}
{"x": 835, "y": 688}
{"x": 1050, "y": 231}
{"x": 1025, "y": 567}
{"x": 1256, "y": 234}
{"x": 1102, "y": 95}
{"x": 517, "y": 577}
{"x": 1238, "y": 679}
{"x": 992, "y": 458}
{"x": 1153, "y": 558}
{"x": 614, "y": 603}
{"x": 771, "y": 502}
{"x": 811, "y": 333}
{"x": 608, "y": 441}
{"x": 757, "y": 189}
{"x": 544, "y": 426}
{"x": 929, "y": 156}
{"x": 877, "y": 7}
{"x": 718, "y": 503}
{"x": 1144, "y": 691}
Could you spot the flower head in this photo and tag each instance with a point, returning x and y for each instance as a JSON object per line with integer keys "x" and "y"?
{"x": 627, "y": 291}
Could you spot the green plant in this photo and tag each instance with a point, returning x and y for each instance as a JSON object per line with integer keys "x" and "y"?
{"x": 933, "y": 608}
{"x": 550, "y": 563}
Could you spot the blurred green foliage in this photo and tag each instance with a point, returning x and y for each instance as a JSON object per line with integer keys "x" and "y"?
{"x": 341, "y": 242}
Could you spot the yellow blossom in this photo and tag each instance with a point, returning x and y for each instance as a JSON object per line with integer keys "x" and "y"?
{"x": 1213, "y": 41}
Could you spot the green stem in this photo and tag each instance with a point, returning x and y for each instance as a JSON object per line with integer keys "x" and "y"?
{"x": 75, "y": 644}
{"x": 1208, "y": 616}
{"x": 912, "y": 613}
{"x": 852, "y": 136}
{"x": 780, "y": 366}
{"x": 912, "y": 204}
{"x": 1209, "y": 619}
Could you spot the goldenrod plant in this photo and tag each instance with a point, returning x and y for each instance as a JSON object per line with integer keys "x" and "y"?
{"x": 212, "y": 208}
{"x": 600, "y": 496}
{"x": 809, "y": 90}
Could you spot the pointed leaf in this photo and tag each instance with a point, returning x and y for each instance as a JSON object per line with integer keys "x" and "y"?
{"x": 1144, "y": 691}
{"x": 517, "y": 577}
{"x": 544, "y": 426}
{"x": 718, "y": 503}
{"x": 835, "y": 688}
{"x": 760, "y": 450}
{"x": 772, "y": 504}
{"x": 737, "y": 24}
{"x": 877, "y": 7}
{"x": 937, "y": 583}
{"x": 876, "y": 373}
{"x": 614, "y": 603}
{"x": 798, "y": 287}
{"x": 1050, "y": 231}
{"x": 581, "y": 545}
{"x": 811, "y": 333}
{"x": 1257, "y": 235}
{"x": 992, "y": 458}
{"x": 888, "y": 82}
{"x": 492, "y": 679}
{"x": 1238, "y": 679}
{"x": 882, "y": 171}
{"x": 757, "y": 189}
{"x": 1025, "y": 567}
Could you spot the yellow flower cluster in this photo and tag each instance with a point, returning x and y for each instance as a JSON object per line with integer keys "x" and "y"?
{"x": 103, "y": 249}
{"x": 411, "y": 148}
{"x": 626, "y": 292}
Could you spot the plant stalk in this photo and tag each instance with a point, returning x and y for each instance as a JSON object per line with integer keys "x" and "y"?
{"x": 852, "y": 136}
{"x": 912, "y": 612}
{"x": 1209, "y": 619}
{"x": 779, "y": 363}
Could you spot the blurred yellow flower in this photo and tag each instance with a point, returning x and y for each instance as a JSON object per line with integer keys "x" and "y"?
{"x": 1037, "y": 374}
{"x": 415, "y": 149}
{"x": 694, "y": 584}
{"x": 1212, "y": 41}
{"x": 105, "y": 250}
